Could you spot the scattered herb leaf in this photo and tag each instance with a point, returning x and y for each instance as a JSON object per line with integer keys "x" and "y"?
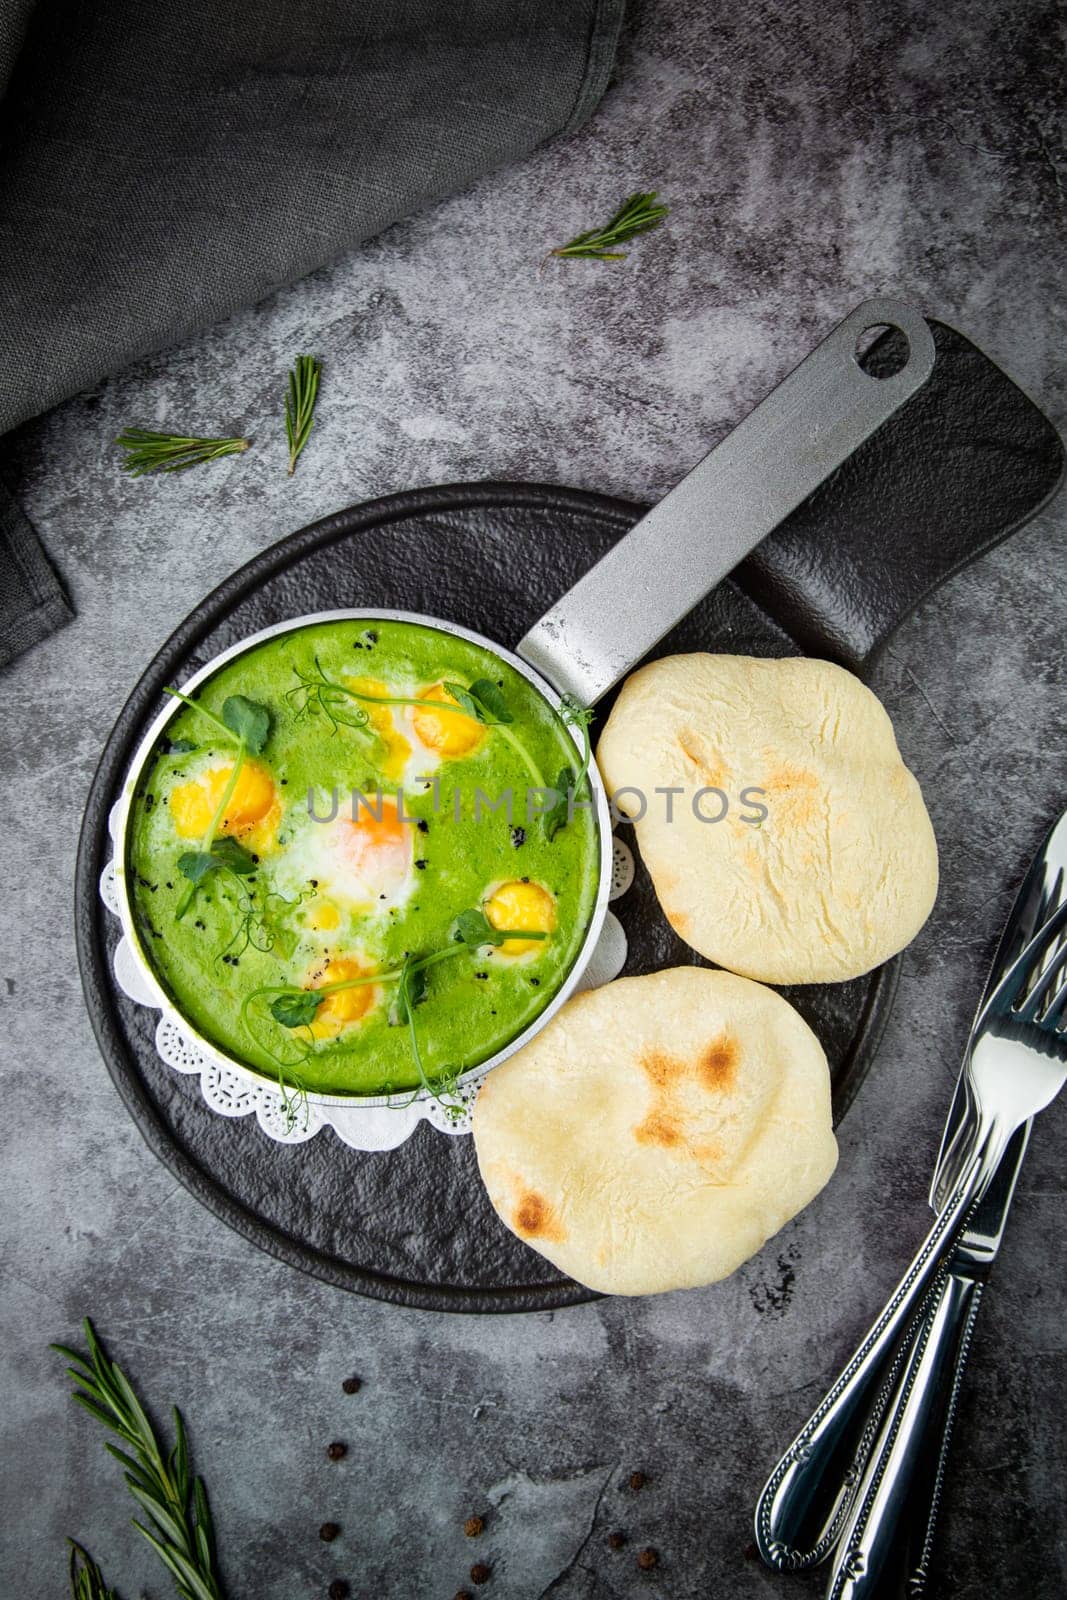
{"x": 638, "y": 214}
{"x": 553, "y": 820}
{"x": 147, "y": 451}
{"x": 228, "y": 853}
{"x": 297, "y": 1009}
{"x": 247, "y": 720}
{"x": 569, "y": 783}
{"x": 300, "y": 398}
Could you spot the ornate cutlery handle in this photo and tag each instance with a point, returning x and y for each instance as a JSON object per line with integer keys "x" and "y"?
{"x": 885, "y": 1547}
{"x": 807, "y": 1497}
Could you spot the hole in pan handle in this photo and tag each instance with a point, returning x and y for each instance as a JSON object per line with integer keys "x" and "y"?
{"x": 740, "y": 492}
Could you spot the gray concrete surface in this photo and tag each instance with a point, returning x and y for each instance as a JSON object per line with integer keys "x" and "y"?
{"x": 813, "y": 157}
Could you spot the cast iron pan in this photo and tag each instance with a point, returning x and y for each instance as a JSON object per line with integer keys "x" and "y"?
{"x": 413, "y": 1225}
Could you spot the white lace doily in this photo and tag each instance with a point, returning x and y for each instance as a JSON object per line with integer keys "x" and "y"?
{"x": 232, "y": 1091}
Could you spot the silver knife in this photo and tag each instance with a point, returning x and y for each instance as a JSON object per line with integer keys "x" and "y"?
{"x": 887, "y": 1540}
{"x": 807, "y": 1501}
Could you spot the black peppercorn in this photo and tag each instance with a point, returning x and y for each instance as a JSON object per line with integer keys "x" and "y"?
{"x": 474, "y": 1526}
{"x": 647, "y": 1559}
{"x": 337, "y": 1451}
{"x": 351, "y": 1385}
{"x": 637, "y": 1480}
{"x": 480, "y": 1573}
{"x": 329, "y": 1531}
{"x": 616, "y": 1541}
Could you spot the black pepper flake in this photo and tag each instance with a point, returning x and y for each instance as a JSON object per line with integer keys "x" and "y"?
{"x": 474, "y": 1526}
{"x": 199, "y": 924}
{"x": 329, "y": 1531}
{"x": 422, "y": 825}
{"x": 357, "y": 644}
{"x": 535, "y": 982}
{"x": 637, "y": 1480}
{"x": 352, "y": 1385}
{"x": 283, "y": 782}
{"x": 524, "y": 880}
{"x": 480, "y": 1573}
{"x": 338, "y": 1590}
{"x": 337, "y": 1451}
{"x": 314, "y": 882}
{"x": 647, "y": 1559}
{"x": 617, "y": 1540}
{"x": 422, "y": 863}
{"x": 169, "y": 884}
{"x": 481, "y": 975}
{"x": 255, "y": 860}
{"x": 372, "y": 635}
{"x": 381, "y": 897}
{"x": 149, "y": 801}
{"x": 518, "y": 837}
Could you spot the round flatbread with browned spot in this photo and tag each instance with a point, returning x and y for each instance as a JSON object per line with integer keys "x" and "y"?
{"x": 785, "y": 837}
{"x": 658, "y": 1130}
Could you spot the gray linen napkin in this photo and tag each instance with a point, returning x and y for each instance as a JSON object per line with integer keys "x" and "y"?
{"x": 160, "y": 168}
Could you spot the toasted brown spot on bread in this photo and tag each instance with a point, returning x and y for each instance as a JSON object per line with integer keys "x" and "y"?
{"x": 658, "y": 1128}
{"x": 795, "y": 790}
{"x": 535, "y": 1219}
{"x": 661, "y": 1068}
{"x": 678, "y": 921}
{"x": 711, "y": 767}
{"x": 717, "y": 1065}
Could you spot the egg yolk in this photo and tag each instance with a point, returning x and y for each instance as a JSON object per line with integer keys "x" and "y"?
{"x": 377, "y": 848}
{"x": 324, "y": 916}
{"x": 397, "y": 748}
{"x": 346, "y": 1006}
{"x": 192, "y": 805}
{"x": 522, "y": 906}
{"x": 450, "y": 733}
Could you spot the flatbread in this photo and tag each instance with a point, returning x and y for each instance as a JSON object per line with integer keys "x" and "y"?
{"x": 841, "y": 871}
{"x": 658, "y": 1130}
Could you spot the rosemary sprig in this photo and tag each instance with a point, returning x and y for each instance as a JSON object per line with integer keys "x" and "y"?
{"x": 86, "y": 1579}
{"x": 173, "y": 1502}
{"x": 300, "y": 401}
{"x": 639, "y": 214}
{"x": 147, "y": 451}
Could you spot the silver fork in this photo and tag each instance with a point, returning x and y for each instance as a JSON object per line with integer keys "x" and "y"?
{"x": 1023, "y": 1045}
{"x": 1009, "y": 1080}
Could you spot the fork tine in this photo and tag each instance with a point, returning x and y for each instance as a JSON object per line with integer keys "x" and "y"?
{"x": 1055, "y": 1014}
{"x": 1029, "y": 981}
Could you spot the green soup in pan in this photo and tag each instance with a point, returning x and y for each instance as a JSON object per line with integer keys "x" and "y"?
{"x": 385, "y": 788}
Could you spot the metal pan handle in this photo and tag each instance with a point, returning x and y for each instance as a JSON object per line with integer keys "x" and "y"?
{"x": 764, "y": 469}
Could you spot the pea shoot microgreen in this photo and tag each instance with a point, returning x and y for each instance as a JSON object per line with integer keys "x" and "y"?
{"x": 483, "y": 702}
{"x": 293, "y": 1008}
{"x": 247, "y": 722}
{"x": 568, "y": 784}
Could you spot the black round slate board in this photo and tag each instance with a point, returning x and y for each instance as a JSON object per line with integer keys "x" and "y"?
{"x": 412, "y": 1225}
